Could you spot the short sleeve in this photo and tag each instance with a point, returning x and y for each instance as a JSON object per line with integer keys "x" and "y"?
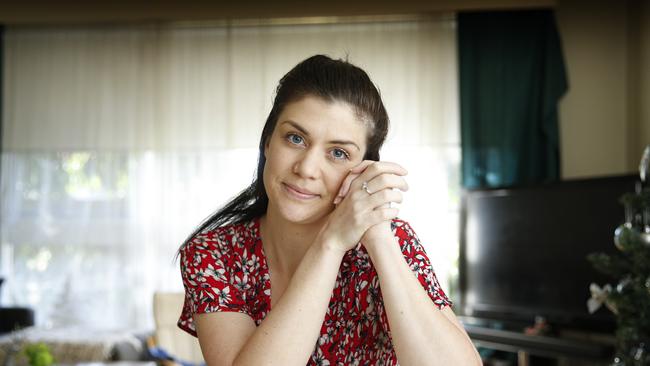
{"x": 210, "y": 281}
{"x": 419, "y": 263}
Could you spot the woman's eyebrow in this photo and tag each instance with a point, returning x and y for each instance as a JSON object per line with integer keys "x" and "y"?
{"x": 344, "y": 142}
{"x": 296, "y": 126}
{"x": 334, "y": 142}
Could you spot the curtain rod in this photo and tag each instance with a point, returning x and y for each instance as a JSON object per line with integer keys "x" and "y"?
{"x": 250, "y": 22}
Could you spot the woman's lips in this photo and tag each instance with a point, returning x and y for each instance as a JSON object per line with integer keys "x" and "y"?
{"x": 298, "y": 192}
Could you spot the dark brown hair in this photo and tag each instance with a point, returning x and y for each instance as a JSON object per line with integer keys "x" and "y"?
{"x": 321, "y": 76}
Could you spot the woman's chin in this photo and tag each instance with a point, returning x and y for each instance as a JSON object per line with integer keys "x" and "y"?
{"x": 301, "y": 216}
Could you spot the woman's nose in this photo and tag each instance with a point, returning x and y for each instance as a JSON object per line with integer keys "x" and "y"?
{"x": 308, "y": 164}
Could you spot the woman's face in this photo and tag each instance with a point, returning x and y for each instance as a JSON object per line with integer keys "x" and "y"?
{"x": 314, "y": 145}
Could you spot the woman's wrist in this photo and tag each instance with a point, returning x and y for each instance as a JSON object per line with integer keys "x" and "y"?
{"x": 330, "y": 246}
{"x": 377, "y": 236}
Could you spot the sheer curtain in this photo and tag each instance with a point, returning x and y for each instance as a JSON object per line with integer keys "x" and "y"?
{"x": 118, "y": 141}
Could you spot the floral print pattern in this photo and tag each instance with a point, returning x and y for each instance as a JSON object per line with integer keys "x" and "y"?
{"x": 225, "y": 269}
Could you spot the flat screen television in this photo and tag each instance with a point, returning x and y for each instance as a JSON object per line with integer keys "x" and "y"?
{"x": 523, "y": 250}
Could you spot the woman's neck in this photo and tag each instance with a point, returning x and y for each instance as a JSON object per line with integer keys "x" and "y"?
{"x": 285, "y": 243}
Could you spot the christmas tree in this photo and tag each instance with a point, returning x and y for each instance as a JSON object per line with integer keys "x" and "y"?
{"x": 629, "y": 299}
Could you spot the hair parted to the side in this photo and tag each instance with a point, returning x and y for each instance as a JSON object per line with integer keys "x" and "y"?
{"x": 321, "y": 76}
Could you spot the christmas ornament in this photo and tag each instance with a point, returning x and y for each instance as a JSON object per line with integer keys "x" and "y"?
{"x": 623, "y": 285}
{"x": 644, "y": 166}
{"x": 598, "y": 297}
{"x": 618, "y": 362}
{"x": 625, "y": 235}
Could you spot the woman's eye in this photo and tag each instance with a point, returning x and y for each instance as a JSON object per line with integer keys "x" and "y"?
{"x": 295, "y": 139}
{"x": 340, "y": 154}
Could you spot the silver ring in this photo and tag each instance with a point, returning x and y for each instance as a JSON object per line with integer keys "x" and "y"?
{"x": 364, "y": 186}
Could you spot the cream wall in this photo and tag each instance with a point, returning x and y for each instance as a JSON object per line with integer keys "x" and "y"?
{"x": 604, "y": 118}
{"x": 644, "y": 90}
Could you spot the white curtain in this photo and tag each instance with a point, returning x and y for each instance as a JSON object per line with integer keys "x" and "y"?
{"x": 118, "y": 141}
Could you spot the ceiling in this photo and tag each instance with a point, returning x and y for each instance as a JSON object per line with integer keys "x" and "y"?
{"x": 124, "y": 11}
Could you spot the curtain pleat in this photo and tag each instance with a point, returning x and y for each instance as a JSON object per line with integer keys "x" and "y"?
{"x": 512, "y": 76}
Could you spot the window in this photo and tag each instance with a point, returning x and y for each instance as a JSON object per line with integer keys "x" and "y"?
{"x": 118, "y": 141}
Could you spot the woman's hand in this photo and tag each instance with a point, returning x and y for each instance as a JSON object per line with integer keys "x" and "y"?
{"x": 363, "y": 201}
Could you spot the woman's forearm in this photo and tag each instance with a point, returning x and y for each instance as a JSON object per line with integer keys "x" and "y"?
{"x": 289, "y": 332}
{"x": 421, "y": 333}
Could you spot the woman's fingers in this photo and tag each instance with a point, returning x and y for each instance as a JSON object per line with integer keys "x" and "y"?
{"x": 383, "y": 197}
{"x": 384, "y": 181}
{"x": 378, "y": 175}
{"x": 364, "y": 199}
{"x": 345, "y": 187}
{"x": 362, "y": 166}
{"x": 354, "y": 172}
{"x": 376, "y": 169}
{"x": 379, "y": 166}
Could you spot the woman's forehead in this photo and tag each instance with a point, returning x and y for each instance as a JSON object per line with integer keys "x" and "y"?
{"x": 321, "y": 118}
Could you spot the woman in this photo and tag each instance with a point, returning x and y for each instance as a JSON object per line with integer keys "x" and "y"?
{"x": 309, "y": 265}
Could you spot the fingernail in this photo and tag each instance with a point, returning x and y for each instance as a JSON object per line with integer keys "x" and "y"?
{"x": 337, "y": 200}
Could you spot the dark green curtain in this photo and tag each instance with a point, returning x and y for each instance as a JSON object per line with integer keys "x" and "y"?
{"x": 2, "y": 73}
{"x": 2, "y": 58}
{"x": 512, "y": 76}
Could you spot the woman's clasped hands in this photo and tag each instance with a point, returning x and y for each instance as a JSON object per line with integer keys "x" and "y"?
{"x": 364, "y": 206}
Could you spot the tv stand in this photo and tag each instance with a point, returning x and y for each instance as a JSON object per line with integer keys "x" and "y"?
{"x": 524, "y": 346}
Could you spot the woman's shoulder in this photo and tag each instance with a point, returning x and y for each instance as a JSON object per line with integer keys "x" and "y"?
{"x": 226, "y": 239}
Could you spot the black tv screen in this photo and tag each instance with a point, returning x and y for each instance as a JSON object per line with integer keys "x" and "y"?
{"x": 523, "y": 250}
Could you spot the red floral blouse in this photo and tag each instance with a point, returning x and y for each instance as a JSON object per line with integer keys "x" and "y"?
{"x": 225, "y": 269}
